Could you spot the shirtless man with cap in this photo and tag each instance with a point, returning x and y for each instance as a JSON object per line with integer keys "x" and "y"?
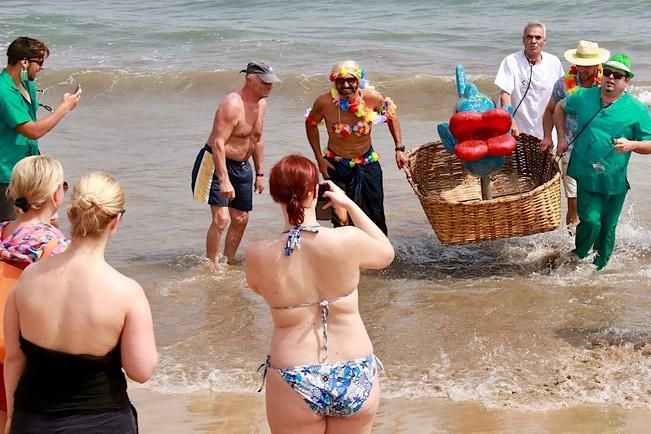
{"x": 350, "y": 110}
{"x": 222, "y": 175}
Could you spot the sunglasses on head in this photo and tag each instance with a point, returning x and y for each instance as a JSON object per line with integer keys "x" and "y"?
{"x": 614, "y": 74}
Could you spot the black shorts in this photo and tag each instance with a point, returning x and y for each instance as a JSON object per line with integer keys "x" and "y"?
{"x": 240, "y": 174}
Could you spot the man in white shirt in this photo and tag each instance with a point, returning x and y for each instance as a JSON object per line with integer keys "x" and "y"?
{"x": 526, "y": 80}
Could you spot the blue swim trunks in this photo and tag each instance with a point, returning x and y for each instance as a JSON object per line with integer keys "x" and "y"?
{"x": 240, "y": 174}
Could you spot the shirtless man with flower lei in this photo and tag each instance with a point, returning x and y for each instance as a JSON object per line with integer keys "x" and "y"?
{"x": 349, "y": 112}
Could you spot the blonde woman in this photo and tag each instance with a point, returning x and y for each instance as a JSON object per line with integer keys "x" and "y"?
{"x": 321, "y": 373}
{"x": 73, "y": 323}
{"x": 36, "y": 187}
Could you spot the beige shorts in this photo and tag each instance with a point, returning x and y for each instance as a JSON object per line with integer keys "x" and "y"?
{"x": 569, "y": 184}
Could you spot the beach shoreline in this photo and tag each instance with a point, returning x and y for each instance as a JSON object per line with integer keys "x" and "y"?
{"x": 492, "y": 337}
{"x": 209, "y": 412}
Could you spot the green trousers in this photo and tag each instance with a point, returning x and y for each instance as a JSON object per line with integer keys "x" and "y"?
{"x": 598, "y": 217}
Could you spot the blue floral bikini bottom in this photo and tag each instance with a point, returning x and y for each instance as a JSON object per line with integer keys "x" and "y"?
{"x": 332, "y": 389}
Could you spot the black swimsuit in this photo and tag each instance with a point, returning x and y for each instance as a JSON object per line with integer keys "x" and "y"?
{"x": 62, "y": 392}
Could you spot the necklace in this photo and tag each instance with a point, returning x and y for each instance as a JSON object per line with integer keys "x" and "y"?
{"x": 355, "y": 107}
{"x": 571, "y": 80}
{"x": 367, "y": 117}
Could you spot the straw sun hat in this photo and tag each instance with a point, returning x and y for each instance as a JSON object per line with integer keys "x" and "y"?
{"x": 587, "y": 54}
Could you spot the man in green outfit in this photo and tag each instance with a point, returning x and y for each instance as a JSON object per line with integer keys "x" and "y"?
{"x": 19, "y": 128}
{"x": 611, "y": 124}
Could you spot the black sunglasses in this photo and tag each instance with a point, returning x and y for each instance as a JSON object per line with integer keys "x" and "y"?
{"x": 613, "y": 74}
{"x": 39, "y": 62}
{"x": 348, "y": 80}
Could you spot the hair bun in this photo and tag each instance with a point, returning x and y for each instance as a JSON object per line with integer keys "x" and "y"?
{"x": 22, "y": 203}
{"x": 96, "y": 199}
{"x": 88, "y": 201}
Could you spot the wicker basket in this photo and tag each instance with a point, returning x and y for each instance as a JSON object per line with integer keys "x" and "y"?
{"x": 526, "y": 194}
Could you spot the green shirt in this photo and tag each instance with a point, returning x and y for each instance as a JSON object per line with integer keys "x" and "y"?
{"x": 594, "y": 163}
{"x": 15, "y": 110}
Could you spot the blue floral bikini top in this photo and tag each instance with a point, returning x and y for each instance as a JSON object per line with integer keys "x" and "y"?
{"x": 294, "y": 241}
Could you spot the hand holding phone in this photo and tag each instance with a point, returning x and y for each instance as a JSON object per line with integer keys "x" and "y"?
{"x": 70, "y": 100}
{"x": 322, "y": 189}
{"x": 322, "y": 214}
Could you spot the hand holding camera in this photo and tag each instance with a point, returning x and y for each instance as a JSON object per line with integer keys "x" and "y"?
{"x": 330, "y": 197}
{"x": 323, "y": 209}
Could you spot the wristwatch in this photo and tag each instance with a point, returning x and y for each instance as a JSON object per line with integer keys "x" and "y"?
{"x": 400, "y": 149}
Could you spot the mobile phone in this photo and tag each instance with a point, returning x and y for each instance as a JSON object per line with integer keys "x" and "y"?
{"x": 322, "y": 189}
{"x": 323, "y": 214}
{"x": 77, "y": 89}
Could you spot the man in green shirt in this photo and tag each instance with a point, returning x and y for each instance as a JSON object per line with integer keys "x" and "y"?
{"x": 19, "y": 128}
{"x": 610, "y": 124}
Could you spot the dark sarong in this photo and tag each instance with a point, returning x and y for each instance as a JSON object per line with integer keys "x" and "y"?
{"x": 363, "y": 184}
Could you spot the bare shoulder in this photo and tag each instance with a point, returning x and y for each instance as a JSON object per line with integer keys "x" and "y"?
{"x": 256, "y": 262}
{"x": 372, "y": 97}
{"x": 257, "y": 254}
{"x": 232, "y": 102}
{"x": 124, "y": 285}
{"x": 258, "y": 249}
{"x": 230, "y": 109}
{"x": 252, "y": 252}
{"x": 323, "y": 99}
{"x": 32, "y": 273}
{"x": 343, "y": 235}
{"x": 233, "y": 98}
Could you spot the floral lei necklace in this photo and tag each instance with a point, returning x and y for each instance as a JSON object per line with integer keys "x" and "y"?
{"x": 366, "y": 116}
{"x": 571, "y": 80}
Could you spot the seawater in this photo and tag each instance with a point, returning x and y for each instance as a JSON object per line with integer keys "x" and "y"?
{"x": 491, "y": 322}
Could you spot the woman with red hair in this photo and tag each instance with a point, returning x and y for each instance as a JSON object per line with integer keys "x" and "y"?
{"x": 321, "y": 372}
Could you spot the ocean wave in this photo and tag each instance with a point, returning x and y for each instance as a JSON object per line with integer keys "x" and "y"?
{"x": 616, "y": 369}
{"x": 197, "y": 82}
{"x": 418, "y": 96}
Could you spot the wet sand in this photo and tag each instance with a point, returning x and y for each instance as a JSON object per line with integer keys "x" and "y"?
{"x": 206, "y": 412}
